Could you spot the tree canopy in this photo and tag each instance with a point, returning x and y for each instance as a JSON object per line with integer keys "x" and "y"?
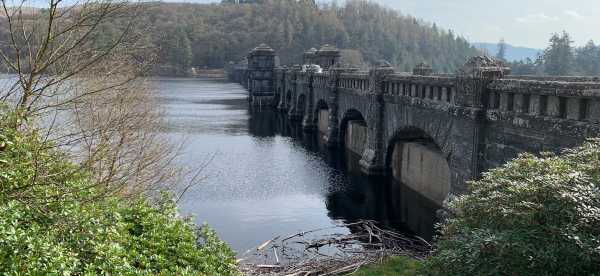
{"x": 219, "y": 33}
{"x": 562, "y": 58}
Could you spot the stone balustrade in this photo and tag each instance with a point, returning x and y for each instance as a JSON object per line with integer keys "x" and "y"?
{"x": 433, "y": 88}
{"x": 355, "y": 81}
{"x": 578, "y": 101}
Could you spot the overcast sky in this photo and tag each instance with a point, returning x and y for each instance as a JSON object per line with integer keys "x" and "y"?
{"x": 520, "y": 22}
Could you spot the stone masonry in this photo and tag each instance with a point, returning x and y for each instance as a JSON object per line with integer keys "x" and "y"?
{"x": 479, "y": 118}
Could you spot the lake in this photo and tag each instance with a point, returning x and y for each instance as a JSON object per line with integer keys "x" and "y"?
{"x": 266, "y": 178}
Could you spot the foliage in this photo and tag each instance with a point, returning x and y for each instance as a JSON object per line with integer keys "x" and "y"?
{"x": 524, "y": 67}
{"x": 79, "y": 75}
{"x": 561, "y": 58}
{"x": 587, "y": 59}
{"x": 219, "y": 33}
{"x": 533, "y": 216}
{"x": 62, "y": 224}
{"x": 393, "y": 266}
{"x": 558, "y": 57}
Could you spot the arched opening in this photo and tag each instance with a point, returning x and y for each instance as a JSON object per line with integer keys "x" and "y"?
{"x": 301, "y": 106}
{"x": 275, "y": 101}
{"x": 279, "y": 95}
{"x": 353, "y": 132}
{"x": 416, "y": 161}
{"x": 321, "y": 117}
{"x": 288, "y": 99}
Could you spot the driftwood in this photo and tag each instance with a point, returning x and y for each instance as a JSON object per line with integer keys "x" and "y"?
{"x": 331, "y": 254}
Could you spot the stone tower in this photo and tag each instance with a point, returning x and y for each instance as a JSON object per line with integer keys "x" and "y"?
{"x": 327, "y": 56}
{"x": 309, "y": 57}
{"x": 261, "y": 65}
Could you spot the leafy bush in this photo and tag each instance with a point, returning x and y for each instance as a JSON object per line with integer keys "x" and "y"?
{"x": 392, "y": 266}
{"x": 54, "y": 221}
{"x": 533, "y": 216}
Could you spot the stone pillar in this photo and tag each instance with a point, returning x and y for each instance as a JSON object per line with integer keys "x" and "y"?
{"x": 504, "y": 101}
{"x": 333, "y": 86}
{"x": 594, "y": 110}
{"x": 553, "y": 106}
{"x": 574, "y": 108}
{"x": 519, "y": 103}
{"x": 261, "y": 75}
{"x": 373, "y": 159}
{"x": 308, "y": 122}
{"x": 293, "y": 104}
{"x": 535, "y": 105}
{"x": 282, "y": 106}
{"x": 472, "y": 85}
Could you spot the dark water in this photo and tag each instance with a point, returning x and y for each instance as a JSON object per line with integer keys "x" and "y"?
{"x": 267, "y": 178}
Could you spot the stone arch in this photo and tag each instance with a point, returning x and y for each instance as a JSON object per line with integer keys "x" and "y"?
{"x": 321, "y": 116}
{"x": 415, "y": 159}
{"x": 288, "y": 99}
{"x": 301, "y": 104}
{"x": 276, "y": 100}
{"x": 353, "y": 132}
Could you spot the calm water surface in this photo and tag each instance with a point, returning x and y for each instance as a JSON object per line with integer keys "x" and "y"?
{"x": 266, "y": 177}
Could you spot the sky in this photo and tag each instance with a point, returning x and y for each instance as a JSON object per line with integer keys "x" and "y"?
{"x": 527, "y": 23}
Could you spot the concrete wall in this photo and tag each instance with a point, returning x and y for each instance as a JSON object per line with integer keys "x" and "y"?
{"x": 422, "y": 168}
{"x": 323, "y": 121}
{"x": 356, "y": 137}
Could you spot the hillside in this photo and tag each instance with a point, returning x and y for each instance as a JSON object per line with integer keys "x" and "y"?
{"x": 202, "y": 35}
{"x": 513, "y": 53}
{"x": 211, "y": 35}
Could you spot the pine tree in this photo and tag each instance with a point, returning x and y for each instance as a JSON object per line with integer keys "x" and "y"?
{"x": 180, "y": 51}
{"x": 558, "y": 57}
{"x": 587, "y": 59}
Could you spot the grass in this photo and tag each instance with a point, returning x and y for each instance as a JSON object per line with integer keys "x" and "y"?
{"x": 396, "y": 266}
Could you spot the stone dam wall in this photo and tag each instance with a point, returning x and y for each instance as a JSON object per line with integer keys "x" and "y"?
{"x": 477, "y": 119}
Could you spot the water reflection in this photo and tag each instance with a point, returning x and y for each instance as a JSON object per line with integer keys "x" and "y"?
{"x": 382, "y": 199}
{"x": 268, "y": 178}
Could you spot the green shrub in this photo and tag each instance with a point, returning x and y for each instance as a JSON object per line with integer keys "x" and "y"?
{"x": 392, "y": 266}
{"x": 533, "y": 216}
{"x": 54, "y": 221}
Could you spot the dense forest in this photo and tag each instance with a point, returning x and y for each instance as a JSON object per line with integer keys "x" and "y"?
{"x": 187, "y": 35}
{"x": 560, "y": 58}
{"x": 210, "y": 35}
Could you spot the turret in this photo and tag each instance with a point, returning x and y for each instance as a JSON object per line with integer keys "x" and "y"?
{"x": 261, "y": 65}
{"x": 327, "y": 56}
{"x": 309, "y": 56}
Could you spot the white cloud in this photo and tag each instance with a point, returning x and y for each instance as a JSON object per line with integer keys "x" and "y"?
{"x": 536, "y": 18}
{"x": 575, "y": 15}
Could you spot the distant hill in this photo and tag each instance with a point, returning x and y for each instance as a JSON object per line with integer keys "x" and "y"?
{"x": 209, "y": 36}
{"x": 188, "y": 35}
{"x": 513, "y": 53}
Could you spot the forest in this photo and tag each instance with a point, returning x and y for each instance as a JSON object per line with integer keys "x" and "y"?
{"x": 560, "y": 58}
{"x": 211, "y": 35}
